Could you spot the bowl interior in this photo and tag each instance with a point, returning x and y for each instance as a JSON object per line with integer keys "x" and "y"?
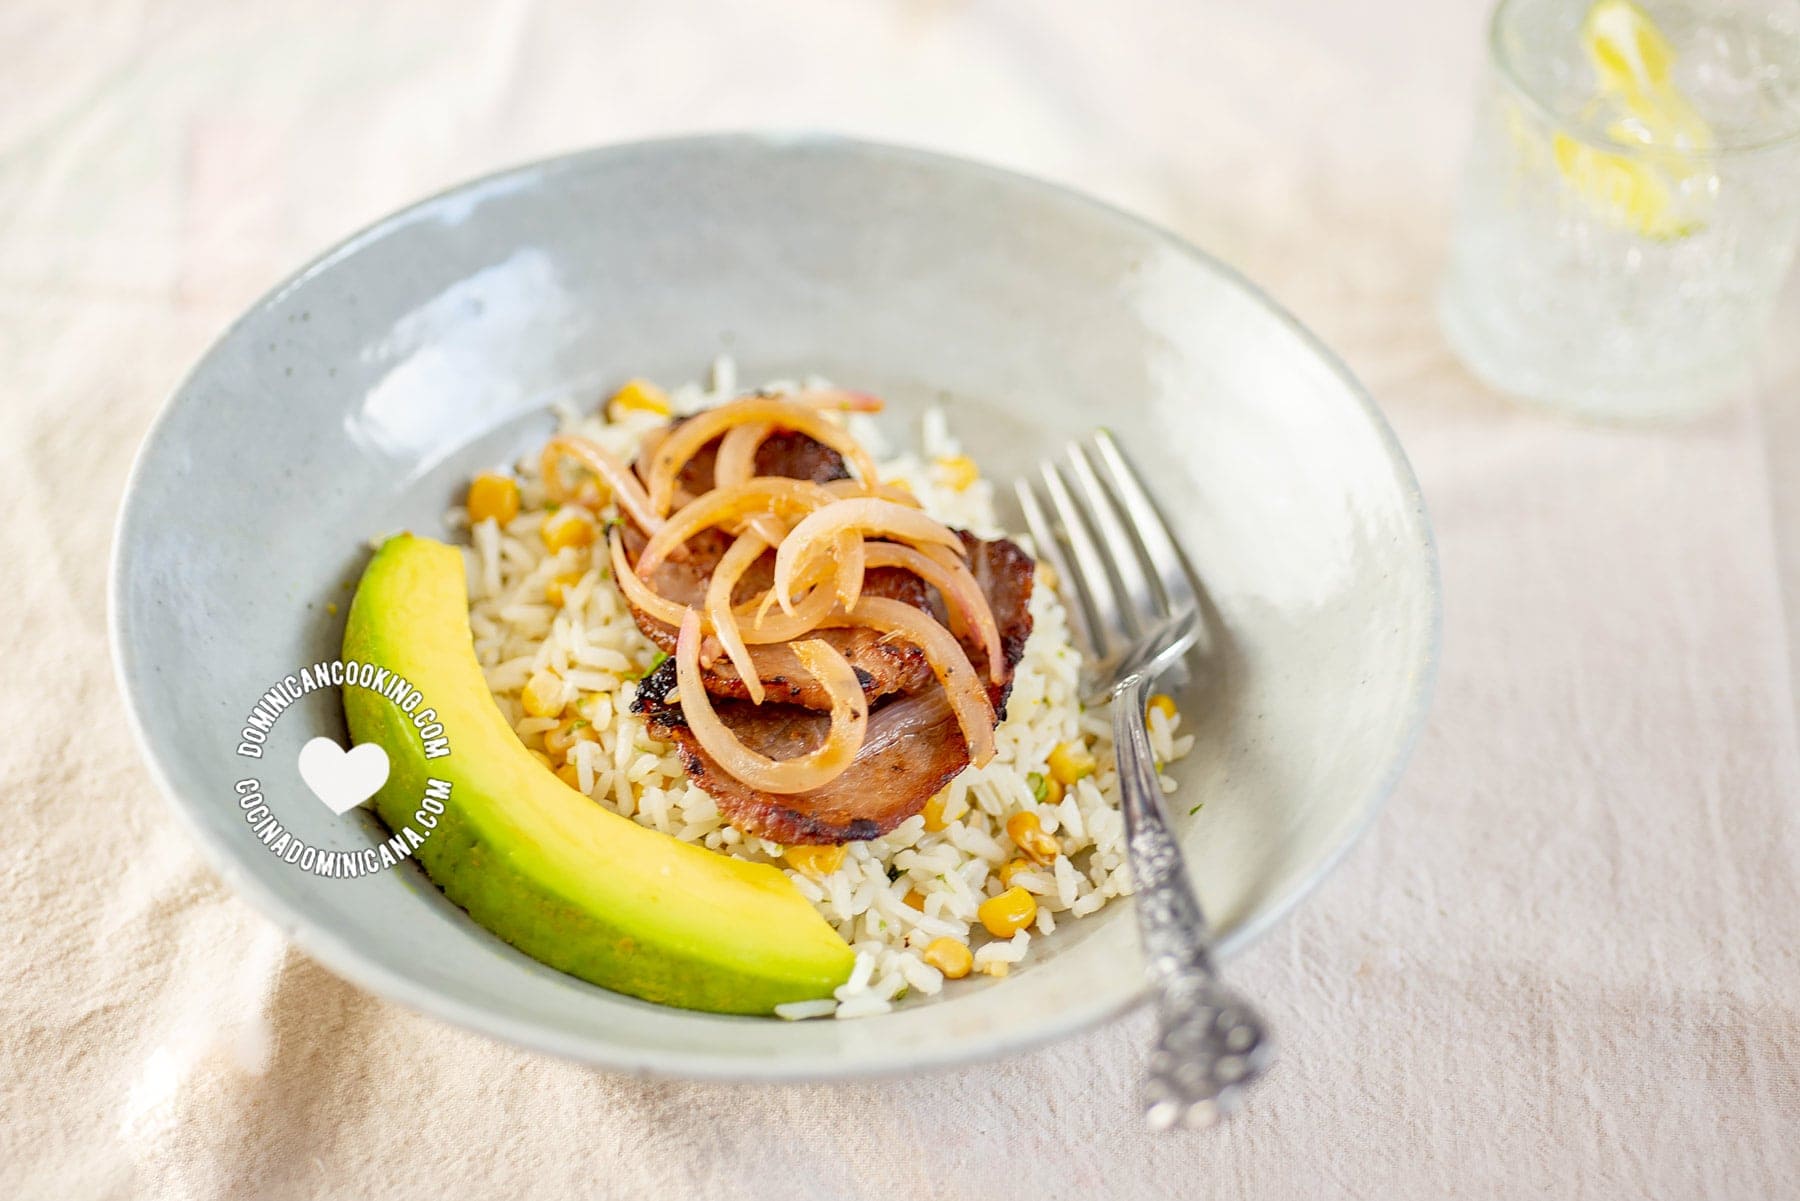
{"x": 359, "y": 397}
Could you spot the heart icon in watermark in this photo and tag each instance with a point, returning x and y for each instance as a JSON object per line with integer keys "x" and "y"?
{"x": 343, "y": 779}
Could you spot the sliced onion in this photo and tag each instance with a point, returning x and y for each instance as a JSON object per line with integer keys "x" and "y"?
{"x": 851, "y": 563}
{"x": 766, "y": 627}
{"x": 769, "y": 494}
{"x": 837, "y": 398}
{"x": 805, "y": 616}
{"x": 968, "y": 699}
{"x": 732, "y": 565}
{"x": 763, "y": 628}
{"x": 646, "y": 448}
{"x": 640, "y": 594}
{"x": 866, "y": 515}
{"x": 736, "y": 463}
{"x": 771, "y": 527}
{"x": 897, "y": 493}
{"x": 685, "y": 441}
{"x": 816, "y": 768}
{"x": 606, "y": 465}
{"x": 969, "y": 607}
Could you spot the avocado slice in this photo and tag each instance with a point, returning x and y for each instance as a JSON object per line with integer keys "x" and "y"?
{"x": 544, "y": 867}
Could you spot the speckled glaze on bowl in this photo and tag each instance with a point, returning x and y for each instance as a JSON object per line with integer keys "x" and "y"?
{"x": 358, "y": 397}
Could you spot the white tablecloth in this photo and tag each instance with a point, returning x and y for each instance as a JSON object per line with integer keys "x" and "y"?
{"x": 1564, "y": 962}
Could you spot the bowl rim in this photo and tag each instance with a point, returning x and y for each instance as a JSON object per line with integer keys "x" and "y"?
{"x": 343, "y": 959}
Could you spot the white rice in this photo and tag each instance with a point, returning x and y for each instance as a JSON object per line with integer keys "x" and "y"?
{"x": 592, "y": 647}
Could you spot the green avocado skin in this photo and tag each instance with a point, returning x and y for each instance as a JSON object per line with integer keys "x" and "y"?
{"x": 538, "y": 864}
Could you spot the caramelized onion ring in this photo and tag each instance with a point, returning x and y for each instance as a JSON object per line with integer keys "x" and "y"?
{"x": 837, "y": 398}
{"x": 781, "y": 627}
{"x": 898, "y": 493}
{"x": 732, "y": 565}
{"x": 852, "y": 561}
{"x": 685, "y": 441}
{"x": 771, "y": 527}
{"x": 766, "y": 627}
{"x": 763, "y": 629}
{"x": 603, "y": 463}
{"x": 968, "y": 606}
{"x": 849, "y": 719}
{"x": 766, "y": 494}
{"x": 968, "y": 699}
{"x": 638, "y": 593}
{"x": 865, "y": 515}
{"x": 736, "y": 463}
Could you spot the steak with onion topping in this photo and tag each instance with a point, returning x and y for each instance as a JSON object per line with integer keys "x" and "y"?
{"x": 912, "y": 749}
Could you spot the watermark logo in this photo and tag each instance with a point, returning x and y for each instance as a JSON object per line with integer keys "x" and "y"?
{"x": 339, "y": 673}
{"x": 342, "y": 779}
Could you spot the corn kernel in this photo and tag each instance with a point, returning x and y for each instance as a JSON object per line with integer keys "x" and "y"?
{"x": 916, "y": 899}
{"x": 638, "y": 396}
{"x": 560, "y": 741}
{"x": 568, "y": 775}
{"x": 492, "y": 496}
{"x": 568, "y": 526}
{"x": 957, "y": 472}
{"x": 949, "y": 957}
{"x": 542, "y": 695}
{"x": 1046, "y": 574}
{"x": 1007, "y": 914}
{"x": 934, "y": 812}
{"x": 597, "y": 707}
{"x": 1011, "y": 868}
{"x": 999, "y": 969}
{"x": 817, "y": 862}
{"x": 1027, "y": 833}
{"x": 556, "y": 591}
{"x": 1163, "y": 704}
{"x": 1070, "y": 761}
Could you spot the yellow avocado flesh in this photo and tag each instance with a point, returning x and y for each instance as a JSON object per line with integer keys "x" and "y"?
{"x": 544, "y": 867}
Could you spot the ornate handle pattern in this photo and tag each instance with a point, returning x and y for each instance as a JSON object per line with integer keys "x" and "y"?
{"x": 1210, "y": 1044}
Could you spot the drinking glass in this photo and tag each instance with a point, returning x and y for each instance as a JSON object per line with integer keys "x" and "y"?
{"x": 1630, "y": 203}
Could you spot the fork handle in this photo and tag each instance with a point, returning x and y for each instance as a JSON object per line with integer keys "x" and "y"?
{"x": 1210, "y": 1044}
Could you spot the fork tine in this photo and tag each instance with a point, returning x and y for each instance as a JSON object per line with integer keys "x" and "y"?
{"x": 1127, "y": 565}
{"x": 1112, "y": 635}
{"x": 1152, "y": 535}
{"x": 1049, "y": 547}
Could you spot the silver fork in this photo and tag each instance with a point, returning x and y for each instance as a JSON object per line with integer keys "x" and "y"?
{"x": 1133, "y": 606}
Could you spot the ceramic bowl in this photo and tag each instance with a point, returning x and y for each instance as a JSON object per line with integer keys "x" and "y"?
{"x": 359, "y": 396}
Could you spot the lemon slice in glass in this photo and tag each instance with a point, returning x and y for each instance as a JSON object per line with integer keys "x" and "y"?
{"x": 1628, "y": 192}
{"x": 1663, "y": 187}
{"x": 1627, "y": 49}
